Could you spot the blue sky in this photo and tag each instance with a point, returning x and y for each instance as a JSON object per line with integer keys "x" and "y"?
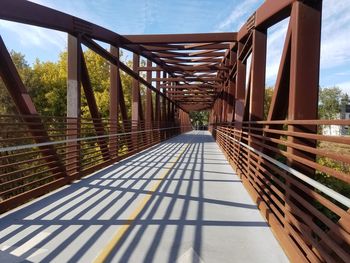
{"x": 187, "y": 16}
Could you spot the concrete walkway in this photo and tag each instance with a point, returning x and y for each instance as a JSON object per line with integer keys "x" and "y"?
{"x": 179, "y": 201}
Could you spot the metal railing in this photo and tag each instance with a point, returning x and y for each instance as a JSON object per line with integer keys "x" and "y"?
{"x": 303, "y": 195}
{"x": 33, "y": 163}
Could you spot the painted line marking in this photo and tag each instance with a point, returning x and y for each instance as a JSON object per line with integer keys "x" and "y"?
{"x": 107, "y": 250}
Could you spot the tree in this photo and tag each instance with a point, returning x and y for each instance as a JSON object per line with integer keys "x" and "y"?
{"x": 329, "y": 103}
{"x": 127, "y": 88}
{"x": 267, "y": 101}
{"x": 48, "y": 86}
{"x": 199, "y": 118}
{"x": 24, "y": 70}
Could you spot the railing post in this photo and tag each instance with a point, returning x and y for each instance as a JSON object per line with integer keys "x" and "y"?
{"x": 164, "y": 118}
{"x": 257, "y": 87}
{"x": 25, "y": 106}
{"x": 114, "y": 97}
{"x": 231, "y": 89}
{"x": 135, "y": 117}
{"x": 303, "y": 88}
{"x": 158, "y": 112}
{"x": 73, "y": 104}
{"x": 149, "y": 106}
{"x": 304, "y": 76}
{"x": 240, "y": 89}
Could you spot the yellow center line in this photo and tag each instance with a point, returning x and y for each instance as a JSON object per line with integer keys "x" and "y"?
{"x": 107, "y": 250}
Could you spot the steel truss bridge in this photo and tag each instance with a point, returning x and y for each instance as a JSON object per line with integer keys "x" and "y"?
{"x": 148, "y": 188}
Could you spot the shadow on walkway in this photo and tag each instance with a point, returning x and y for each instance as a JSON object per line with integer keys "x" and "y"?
{"x": 76, "y": 222}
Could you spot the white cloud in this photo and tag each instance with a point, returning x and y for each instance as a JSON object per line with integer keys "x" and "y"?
{"x": 344, "y": 86}
{"x": 334, "y": 44}
{"x": 29, "y": 36}
{"x": 238, "y": 15}
{"x": 343, "y": 73}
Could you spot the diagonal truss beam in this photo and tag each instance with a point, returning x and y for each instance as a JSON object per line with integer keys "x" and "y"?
{"x": 25, "y": 106}
{"x": 91, "y": 101}
{"x": 105, "y": 54}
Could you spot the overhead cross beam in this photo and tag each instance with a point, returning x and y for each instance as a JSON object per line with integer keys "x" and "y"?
{"x": 182, "y": 38}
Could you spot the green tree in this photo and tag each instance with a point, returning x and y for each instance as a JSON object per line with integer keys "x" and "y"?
{"x": 267, "y": 101}
{"x": 98, "y": 69}
{"x": 48, "y": 87}
{"x": 127, "y": 88}
{"x": 25, "y": 72}
{"x": 329, "y": 102}
{"x": 199, "y": 118}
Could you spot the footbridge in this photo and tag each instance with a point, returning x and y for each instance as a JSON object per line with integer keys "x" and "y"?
{"x": 142, "y": 185}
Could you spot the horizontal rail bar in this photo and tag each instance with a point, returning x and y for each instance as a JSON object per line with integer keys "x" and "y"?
{"x": 326, "y": 190}
{"x": 28, "y": 146}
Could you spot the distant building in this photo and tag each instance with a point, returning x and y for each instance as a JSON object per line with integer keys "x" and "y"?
{"x": 345, "y": 115}
{"x": 338, "y": 130}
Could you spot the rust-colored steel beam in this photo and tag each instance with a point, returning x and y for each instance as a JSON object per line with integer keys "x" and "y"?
{"x": 38, "y": 15}
{"x": 188, "y": 79}
{"x": 256, "y": 111}
{"x": 141, "y": 112}
{"x": 257, "y": 81}
{"x": 304, "y": 74}
{"x": 73, "y": 103}
{"x": 122, "y": 104}
{"x": 34, "y": 14}
{"x": 158, "y": 113}
{"x": 240, "y": 90}
{"x": 149, "y": 107}
{"x": 188, "y": 87}
{"x": 187, "y": 68}
{"x": 217, "y": 46}
{"x": 196, "y": 107}
{"x": 105, "y": 54}
{"x": 192, "y": 60}
{"x": 182, "y": 38}
{"x": 168, "y": 117}
{"x": 94, "y": 112}
{"x": 114, "y": 97}
{"x": 188, "y": 92}
{"x": 268, "y": 14}
{"x": 121, "y": 99}
{"x": 164, "y": 101}
{"x": 26, "y": 107}
{"x": 231, "y": 90}
{"x": 135, "y": 101}
{"x": 278, "y": 107}
{"x": 172, "y": 54}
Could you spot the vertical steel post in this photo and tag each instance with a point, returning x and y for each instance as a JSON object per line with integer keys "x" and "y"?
{"x": 73, "y": 103}
{"x": 304, "y": 76}
{"x": 231, "y": 90}
{"x": 225, "y": 94}
{"x": 157, "y": 108}
{"x": 149, "y": 111}
{"x": 135, "y": 116}
{"x": 256, "y": 110}
{"x": 240, "y": 89}
{"x": 257, "y": 84}
{"x": 25, "y": 106}
{"x": 303, "y": 90}
{"x": 164, "y": 113}
{"x": 114, "y": 101}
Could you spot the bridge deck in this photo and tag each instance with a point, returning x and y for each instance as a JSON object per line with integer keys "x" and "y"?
{"x": 178, "y": 201}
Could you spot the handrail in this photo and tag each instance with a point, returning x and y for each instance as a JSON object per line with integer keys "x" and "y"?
{"x": 29, "y": 146}
{"x": 324, "y": 189}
